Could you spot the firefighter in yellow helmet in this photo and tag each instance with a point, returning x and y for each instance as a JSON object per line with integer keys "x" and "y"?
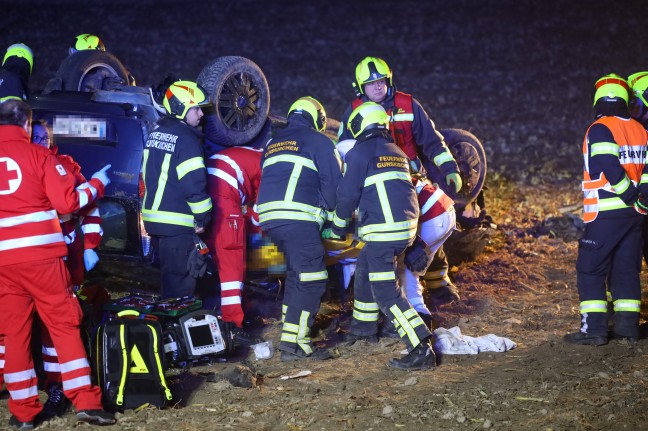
{"x": 415, "y": 133}
{"x": 176, "y": 204}
{"x": 16, "y": 70}
{"x": 86, "y": 41}
{"x": 615, "y": 188}
{"x": 377, "y": 182}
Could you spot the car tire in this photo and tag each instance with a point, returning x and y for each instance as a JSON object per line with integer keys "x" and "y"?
{"x": 470, "y": 156}
{"x": 89, "y": 70}
{"x": 239, "y": 92}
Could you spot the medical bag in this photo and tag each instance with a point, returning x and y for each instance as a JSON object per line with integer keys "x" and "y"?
{"x": 129, "y": 362}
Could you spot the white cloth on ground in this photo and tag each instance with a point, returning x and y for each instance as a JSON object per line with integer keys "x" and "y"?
{"x": 453, "y": 342}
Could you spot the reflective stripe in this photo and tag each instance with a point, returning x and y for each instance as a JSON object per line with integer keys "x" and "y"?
{"x": 365, "y": 317}
{"x": 189, "y": 165}
{"x": 389, "y": 236}
{"x": 297, "y": 160}
{"x": 168, "y": 218}
{"x": 22, "y": 394}
{"x": 287, "y": 205}
{"x": 231, "y": 285}
{"x": 303, "y": 340}
{"x": 607, "y": 204}
{"x": 392, "y": 175}
{"x": 313, "y": 276}
{"x": 601, "y": 148}
{"x": 49, "y": 351}
{"x": 52, "y": 367}
{"x": 292, "y": 183}
{"x": 287, "y": 215}
{"x": 406, "y": 325}
{"x": 70, "y": 237}
{"x": 365, "y": 306}
{"x": 230, "y": 300}
{"x": 82, "y": 190}
{"x": 143, "y": 172}
{"x": 219, "y": 173}
{"x": 2, "y": 349}
{"x": 31, "y": 241}
{"x": 388, "y": 227}
{"x": 20, "y": 376}
{"x": 76, "y": 383}
{"x": 431, "y": 201}
{"x": 1, "y": 363}
{"x": 631, "y": 305}
{"x": 443, "y": 158}
{"x": 402, "y": 117}
{"x": 200, "y": 207}
{"x": 382, "y": 276}
{"x": 337, "y": 221}
{"x": 240, "y": 178}
{"x": 622, "y": 185}
{"x": 28, "y": 218}
{"x": 593, "y": 307}
{"x": 162, "y": 180}
{"x": 74, "y": 365}
{"x": 91, "y": 228}
{"x": 365, "y": 311}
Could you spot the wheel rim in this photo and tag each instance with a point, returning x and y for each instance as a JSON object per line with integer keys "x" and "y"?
{"x": 237, "y": 102}
{"x": 92, "y": 78}
{"x": 469, "y": 168}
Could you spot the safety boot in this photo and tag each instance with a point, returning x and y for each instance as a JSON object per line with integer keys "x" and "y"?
{"x": 96, "y": 417}
{"x": 585, "y": 339}
{"x": 316, "y": 355}
{"x": 351, "y": 338}
{"x": 57, "y": 404}
{"x": 422, "y": 357}
{"x": 14, "y": 423}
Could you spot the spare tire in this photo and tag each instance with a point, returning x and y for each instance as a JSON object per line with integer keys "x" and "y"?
{"x": 89, "y": 70}
{"x": 238, "y": 89}
{"x": 470, "y": 156}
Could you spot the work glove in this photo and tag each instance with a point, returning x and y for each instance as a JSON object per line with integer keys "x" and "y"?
{"x": 90, "y": 259}
{"x": 641, "y": 205}
{"x": 198, "y": 257}
{"x": 418, "y": 256}
{"x": 454, "y": 179}
{"x": 102, "y": 175}
{"x": 329, "y": 234}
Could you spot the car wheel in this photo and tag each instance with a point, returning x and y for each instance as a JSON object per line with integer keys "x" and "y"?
{"x": 470, "y": 156}
{"x": 89, "y": 70}
{"x": 239, "y": 92}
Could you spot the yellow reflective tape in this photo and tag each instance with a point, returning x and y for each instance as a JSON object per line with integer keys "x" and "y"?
{"x": 145, "y": 156}
{"x": 287, "y": 205}
{"x": 292, "y": 183}
{"x": 137, "y": 363}
{"x": 603, "y": 148}
{"x": 622, "y": 185}
{"x": 339, "y": 222}
{"x": 382, "y": 276}
{"x": 156, "y": 353}
{"x": 593, "y": 307}
{"x": 166, "y": 217}
{"x": 365, "y": 306}
{"x": 631, "y": 305}
{"x": 387, "y": 176}
{"x": 387, "y": 227}
{"x": 389, "y": 236}
{"x": 189, "y": 165}
{"x": 365, "y": 317}
{"x": 443, "y": 158}
{"x": 303, "y": 339}
{"x": 287, "y": 215}
{"x": 298, "y": 160}
{"x": 162, "y": 180}
{"x": 122, "y": 381}
{"x": 313, "y": 276}
{"x": 405, "y": 325}
{"x": 402, "y": 117}
{"x": 200, "y": 207}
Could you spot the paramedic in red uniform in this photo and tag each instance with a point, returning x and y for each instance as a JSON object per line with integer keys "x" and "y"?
{"x": 233, "y": 182}
{"x": 34, "y": 186}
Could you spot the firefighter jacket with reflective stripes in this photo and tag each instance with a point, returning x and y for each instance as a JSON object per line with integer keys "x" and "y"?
{"x": 412, "y": 130}
{"x": 88, "y": 218}
{"x": 431, "y": 199}
{"x": 235, "y": 172}
{"x": 614, "y": 154}
{"x": 11, "y": 86}
{"x": 377, "y": 182}
{"x": 175, "y": 180}
{"x": 301, "y": 171}
{"x": 34, "y": 186}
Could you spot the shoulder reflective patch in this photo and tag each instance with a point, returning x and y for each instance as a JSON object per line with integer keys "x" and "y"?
{"x": 137, "y": 364}
{"x": 61, "y": 170}
{"x": 10, "y": 176}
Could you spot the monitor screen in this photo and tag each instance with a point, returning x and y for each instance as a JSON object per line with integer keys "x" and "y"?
{"x": 201, "y": 335}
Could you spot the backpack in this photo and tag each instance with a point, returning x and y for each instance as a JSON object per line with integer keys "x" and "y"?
{"x": 129, "y": 362}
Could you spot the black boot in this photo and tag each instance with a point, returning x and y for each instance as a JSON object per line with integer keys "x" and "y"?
{"x": 422, "y": 357}
{"x": 14, "y": 423}
{"x": 585, "y": 339}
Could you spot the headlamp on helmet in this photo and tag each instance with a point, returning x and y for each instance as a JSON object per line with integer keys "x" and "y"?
{"x": 309, "y": 107}
{"x": 182, "y": 96}
{"x": 367, "y": 116}
{"x": 22, "y": 51}
{"x": 611, "y": 88}
{"x": 86, "y": 41}
{"x": 372, "y": 69}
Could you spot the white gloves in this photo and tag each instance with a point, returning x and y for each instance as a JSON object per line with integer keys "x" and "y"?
{"x": 102, "y": 176}
{"x": 90, "y": 259}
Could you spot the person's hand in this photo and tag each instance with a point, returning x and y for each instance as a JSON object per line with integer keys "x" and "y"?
{"x": 455, "y": 180}
{"x": 102, "y": 175}
{"x": 329, "y": 234}
{"x": 90, "y": 259}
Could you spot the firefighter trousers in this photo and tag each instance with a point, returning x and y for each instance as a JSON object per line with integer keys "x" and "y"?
{"x": 610, "y": 248}
{"x": 43, "y": 287}
{"x": 306, "y": 279}
{"x": 376, "y": 289}
{"x": 174, "y": 254}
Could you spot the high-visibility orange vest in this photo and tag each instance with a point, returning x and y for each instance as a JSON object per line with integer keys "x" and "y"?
{"x": 631, "y": 139}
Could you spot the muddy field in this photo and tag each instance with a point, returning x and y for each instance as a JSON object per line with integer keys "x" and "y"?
{"x": 519, "y": 75}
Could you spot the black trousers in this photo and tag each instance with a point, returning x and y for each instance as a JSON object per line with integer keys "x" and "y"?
{"x": 174, "y": 254}
{"x": 610, "y": 249}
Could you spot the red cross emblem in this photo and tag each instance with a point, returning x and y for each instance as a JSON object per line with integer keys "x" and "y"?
{"x": 10, "y": 176}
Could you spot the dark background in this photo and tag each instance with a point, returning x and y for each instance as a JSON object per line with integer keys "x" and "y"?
{"x": 518, "y": 74}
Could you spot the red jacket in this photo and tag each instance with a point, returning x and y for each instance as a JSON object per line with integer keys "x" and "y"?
{"x": 235, "y": 172}
{"x": 34, "y": 186}
{"x": 88, "y": 217}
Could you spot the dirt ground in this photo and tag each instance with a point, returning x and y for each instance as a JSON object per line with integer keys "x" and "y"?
{"x": 519, "y": 75}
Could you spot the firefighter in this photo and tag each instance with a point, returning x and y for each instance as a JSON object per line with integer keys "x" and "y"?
{"x": 615, "y": 188}
{"x": 377, "y": 182}
{"x": 176, "y": 204}
{"x": 415, "y": 133}
{"x": 81, "y": 257}
{"x": 639, "y": 111}
{"x": 301, "y": 171}
{"x": 34, "y": 186}
{"x": 86, "y": 41}
{"x": 16, "y": 70}
{"x": 233, "y": 181}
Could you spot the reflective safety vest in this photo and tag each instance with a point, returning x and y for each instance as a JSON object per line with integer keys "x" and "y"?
{"x": 629, "y": 146}
{"x": 401, "y": 117}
